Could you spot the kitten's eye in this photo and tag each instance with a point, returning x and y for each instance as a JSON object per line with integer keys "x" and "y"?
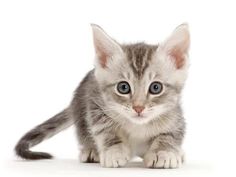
{"x": 155, "y": 88}
{"x": 123, "y": 87}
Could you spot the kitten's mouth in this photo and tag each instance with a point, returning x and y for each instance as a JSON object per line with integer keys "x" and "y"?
{"x": 139, "y": 116}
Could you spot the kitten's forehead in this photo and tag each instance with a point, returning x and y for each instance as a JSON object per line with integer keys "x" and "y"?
{"x": 139, "y": 56}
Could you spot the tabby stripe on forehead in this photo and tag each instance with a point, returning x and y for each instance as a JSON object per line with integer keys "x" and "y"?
{"x": 139, "y": 56}
{"x": 148, "y": 58}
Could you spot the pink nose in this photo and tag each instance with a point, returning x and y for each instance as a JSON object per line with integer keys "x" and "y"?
{"x": 138, "y": 109}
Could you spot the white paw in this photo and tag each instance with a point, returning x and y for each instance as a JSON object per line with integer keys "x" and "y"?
{"x": 115, "y": 156}
{"x": 89, "y": 156}
{"x": 163, "y": 159}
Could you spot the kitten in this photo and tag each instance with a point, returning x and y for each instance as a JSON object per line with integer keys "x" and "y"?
{"x": 129, "y": 105}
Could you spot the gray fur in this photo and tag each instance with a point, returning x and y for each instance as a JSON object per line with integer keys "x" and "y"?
{"x": 139, "y": 56}
{"x": 100, "y": 126}
{"x": 41, "y": 132}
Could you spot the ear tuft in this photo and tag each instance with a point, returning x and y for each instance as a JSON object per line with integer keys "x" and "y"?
{"x": 105, "y": 46}
{"x": 177, "y": 45}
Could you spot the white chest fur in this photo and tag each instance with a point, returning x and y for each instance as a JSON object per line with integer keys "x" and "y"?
{"x": 139, "y": 136}
{"x": 138, "y": 145}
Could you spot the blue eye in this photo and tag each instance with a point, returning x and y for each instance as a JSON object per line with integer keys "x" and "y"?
{"x": 123, "y": 87}
{"x": 155, "y": 88}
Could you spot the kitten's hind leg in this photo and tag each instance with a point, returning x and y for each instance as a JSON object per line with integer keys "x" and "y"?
{"x": 89, "y": 155}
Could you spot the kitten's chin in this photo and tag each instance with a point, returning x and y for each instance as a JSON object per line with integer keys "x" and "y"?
{"x": 139, "y": 119}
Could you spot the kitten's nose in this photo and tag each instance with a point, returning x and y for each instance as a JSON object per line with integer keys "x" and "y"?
{"x": 138, "y": 108}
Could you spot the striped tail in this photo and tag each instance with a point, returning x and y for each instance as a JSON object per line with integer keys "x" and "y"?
{"x": 43, "y": 131}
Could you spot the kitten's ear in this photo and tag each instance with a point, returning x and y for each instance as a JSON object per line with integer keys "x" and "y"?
{"x": 105, "y": 46}
{"x": 177, "y": 45}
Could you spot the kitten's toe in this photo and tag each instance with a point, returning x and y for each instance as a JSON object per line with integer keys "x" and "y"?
{"x": 89, "y": 156}
{"x": 115, "y": 156}
{"x": 163, "y": 159}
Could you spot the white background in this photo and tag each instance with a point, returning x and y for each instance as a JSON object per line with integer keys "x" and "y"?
{"x": 46, "y": 49}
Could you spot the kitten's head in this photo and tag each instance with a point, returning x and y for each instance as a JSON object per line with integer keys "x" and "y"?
{"x": 139, "y": 82}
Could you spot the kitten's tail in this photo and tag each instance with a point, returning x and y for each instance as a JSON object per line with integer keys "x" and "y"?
{"x": 43, "y": 131}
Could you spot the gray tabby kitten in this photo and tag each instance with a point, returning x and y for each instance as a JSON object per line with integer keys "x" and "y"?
{"x": 129, "y": 105}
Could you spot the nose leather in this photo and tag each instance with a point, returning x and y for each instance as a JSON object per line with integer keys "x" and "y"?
{"x": 138, "y": 109}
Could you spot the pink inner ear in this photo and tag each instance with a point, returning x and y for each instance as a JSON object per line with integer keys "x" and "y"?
{"x": 102, "y": 56}
{"x": 178, "y": 57}
{"x": 103, "y": 59}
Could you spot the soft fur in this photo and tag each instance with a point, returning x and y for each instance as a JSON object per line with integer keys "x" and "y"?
{"x": 108, "y": 128}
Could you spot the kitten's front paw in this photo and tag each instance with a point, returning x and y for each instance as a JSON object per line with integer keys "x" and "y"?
{"x": 88, "y": 155}
{"x": 115, "y": 156}
{"x": 163, "y": 159}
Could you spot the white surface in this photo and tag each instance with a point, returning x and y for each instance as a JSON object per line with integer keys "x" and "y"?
{"x": 46, "y": 49}
{"x": 70, "y": 167}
